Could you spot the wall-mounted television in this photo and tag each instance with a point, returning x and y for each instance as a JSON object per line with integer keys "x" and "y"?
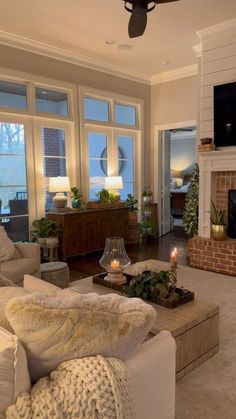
{"x": 225, "y": 115}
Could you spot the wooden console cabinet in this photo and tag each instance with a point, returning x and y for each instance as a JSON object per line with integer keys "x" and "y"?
{"x": 86, "y": 231}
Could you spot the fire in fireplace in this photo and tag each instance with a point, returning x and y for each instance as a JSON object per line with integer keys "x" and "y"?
{"x": 232, "y": 213}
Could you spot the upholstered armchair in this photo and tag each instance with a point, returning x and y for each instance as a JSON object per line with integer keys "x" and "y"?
{"x": 25, "y": 260}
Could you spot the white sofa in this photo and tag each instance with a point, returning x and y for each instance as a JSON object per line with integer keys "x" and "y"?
{"x": 152, "y": 371}
{"x": 151, "y": 368}
{"x": 27, "y": 263}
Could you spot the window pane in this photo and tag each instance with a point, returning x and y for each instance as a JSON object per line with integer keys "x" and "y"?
{"x": 125, "y": 115}
{"x": 97, "y": 110}
{"x": 126, "y": 164}
{"x": 126, "y": 146}
{"x": 51, "y": 101}
{"x": 12, "y": 95}
{"x": 97, "y": 152}
{"x": 54, "y": 157}
{"x": 97, "y": 143}
{"x": 13, "y": 186}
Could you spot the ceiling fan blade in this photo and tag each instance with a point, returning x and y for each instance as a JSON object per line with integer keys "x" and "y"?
{"x": 137, "y": 22}
{"x": 165, "y": 1}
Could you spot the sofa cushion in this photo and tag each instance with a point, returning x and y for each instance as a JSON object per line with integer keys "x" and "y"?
{"x": 15, "y": 269}
{"x": 53, "y": 330}
{"x": 14, "y": 375}
{"x": 6, "y": 294}
{"x": 5, "y": 282}
{"x": 33, "y": 284}
{"x": 7, "y": 246}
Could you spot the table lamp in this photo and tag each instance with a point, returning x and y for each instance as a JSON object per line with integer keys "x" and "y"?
{"x": 59, "y": 185}
{"x": 113, "y": 184}
{"x": 115, "y": 259}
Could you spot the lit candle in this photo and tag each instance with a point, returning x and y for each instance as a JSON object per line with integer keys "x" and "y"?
{"x": 115, "y": 264}
{"x": 176, "y": 253}
{"x": 173, "y": 257}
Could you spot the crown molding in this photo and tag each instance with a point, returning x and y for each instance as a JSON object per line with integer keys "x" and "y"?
{"x": 178, "y": 73}
{"x": 218, "y": 30}
{"x": 41, "y": 48}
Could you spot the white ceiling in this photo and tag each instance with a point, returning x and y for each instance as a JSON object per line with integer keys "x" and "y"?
{"x": 84, "y": 26}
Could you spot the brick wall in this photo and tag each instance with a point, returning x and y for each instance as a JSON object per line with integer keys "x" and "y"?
{"x": 212, "y": 255}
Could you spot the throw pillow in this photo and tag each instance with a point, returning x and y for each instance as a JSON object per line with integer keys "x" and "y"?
{"x": 6, "y": 246}
{"x": 14, "y": 375}
{"x": 5, "y": 295}
{"x": 53, "y": 330}
{"x": 33, "y": 284}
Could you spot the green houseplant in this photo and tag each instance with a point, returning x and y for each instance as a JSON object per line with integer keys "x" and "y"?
{"x": 147, "y": 194}
{"x": 77, "y": 200}
{"x": 218, "y": 226}
{"x": 46, "y": 230}
{"x": 105, "y": 197}
{"x": 133, "y": 235}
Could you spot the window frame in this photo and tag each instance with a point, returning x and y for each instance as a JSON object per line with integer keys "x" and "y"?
{"x": 113, "y": 129}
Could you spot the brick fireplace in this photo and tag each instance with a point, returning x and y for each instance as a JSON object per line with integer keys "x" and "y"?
{"x": 217, "y": 176}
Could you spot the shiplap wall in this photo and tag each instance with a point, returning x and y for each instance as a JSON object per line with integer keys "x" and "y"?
{"x": 218, "y": 67}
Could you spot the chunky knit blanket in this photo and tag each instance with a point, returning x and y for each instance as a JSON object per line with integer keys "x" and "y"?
{"x": 88, "y": 388}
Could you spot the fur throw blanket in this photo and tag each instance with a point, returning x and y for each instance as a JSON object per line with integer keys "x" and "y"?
{"x": 88, "y": 388}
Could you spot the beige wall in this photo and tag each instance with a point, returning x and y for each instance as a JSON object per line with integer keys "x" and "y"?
{"x": 46, "y": 67}
{"x": 174, "y": 101}
{"x": 171, "y": 102}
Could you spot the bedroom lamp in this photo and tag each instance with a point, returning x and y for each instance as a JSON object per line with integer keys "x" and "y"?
{"x": 113, "y": 184}
{"x": 115, "y": 259}
{"x": 178, "y": 182}
{"x": 59, "y": 185}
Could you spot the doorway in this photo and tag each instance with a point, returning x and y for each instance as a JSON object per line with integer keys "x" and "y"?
{"x": 175, "y": 160}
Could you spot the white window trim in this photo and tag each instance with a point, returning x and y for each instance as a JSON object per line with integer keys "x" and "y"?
{"x": 97, "y": 126}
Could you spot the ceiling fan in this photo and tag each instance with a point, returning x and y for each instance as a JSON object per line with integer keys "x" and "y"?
{"x": 139, "y": 10}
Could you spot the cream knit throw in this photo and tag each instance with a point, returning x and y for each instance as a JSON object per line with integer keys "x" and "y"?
{"x": 87, "y": 388}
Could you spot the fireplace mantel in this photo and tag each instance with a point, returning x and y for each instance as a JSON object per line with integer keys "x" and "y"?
{"x": 210, "y": 163}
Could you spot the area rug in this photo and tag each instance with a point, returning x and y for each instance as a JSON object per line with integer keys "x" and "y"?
{"x": 209, "y": 391}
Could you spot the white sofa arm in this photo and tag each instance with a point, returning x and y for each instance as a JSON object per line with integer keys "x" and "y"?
{"x": 152, "y": 371}
{"x": 29, "y": 250}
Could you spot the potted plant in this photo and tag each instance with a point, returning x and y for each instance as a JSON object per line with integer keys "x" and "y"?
{"x": 147, "y": 194}
{"x": 41, "y": 230}
{"x": 218, "y": 226}
{"x": 54, "y": 231}
{"x": 77, "y": 201}
{"x": 105, "y": 197}
{"x": 131, "y": 204}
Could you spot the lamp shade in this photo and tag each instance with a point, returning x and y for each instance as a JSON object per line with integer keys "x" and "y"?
{"x": 114, "y": 182}
{"x": 59, "y": 184}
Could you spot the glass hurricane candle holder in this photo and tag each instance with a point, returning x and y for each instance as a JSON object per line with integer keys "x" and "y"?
{"x": 115, "y": 259}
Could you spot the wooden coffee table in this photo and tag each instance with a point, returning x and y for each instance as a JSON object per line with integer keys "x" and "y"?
{"x": 194, "y": 325}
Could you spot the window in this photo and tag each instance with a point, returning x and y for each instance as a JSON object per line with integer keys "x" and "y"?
{"x": 54, "y": 157}
{"x": 111, "y": 145}
{"x": 49, "y": 101}
{"x": 126, "y": 164}
{"x": 96, "y": 110}
{"x": 125, "y": 115}
{"x": 12, "y": 95}
{"x": 13, "y": 183}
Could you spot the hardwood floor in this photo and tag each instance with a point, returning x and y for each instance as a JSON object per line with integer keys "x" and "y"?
{"x": 82, "y": 266}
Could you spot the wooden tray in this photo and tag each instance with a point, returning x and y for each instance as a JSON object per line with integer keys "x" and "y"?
{"x": 185, "y": 297}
